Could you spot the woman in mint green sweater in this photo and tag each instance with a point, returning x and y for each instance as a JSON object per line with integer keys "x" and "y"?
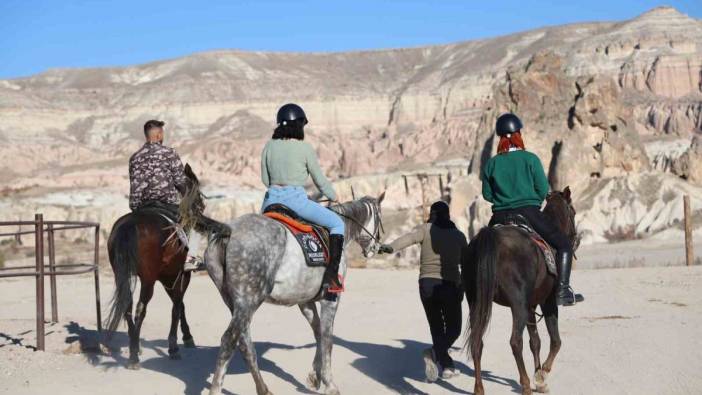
{"x": 287, "y": 161}
{"x": 515, "y": 183}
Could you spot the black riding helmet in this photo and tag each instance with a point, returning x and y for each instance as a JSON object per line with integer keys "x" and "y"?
{"x": 508, "y": 123}
{"x": 290, "y": 112}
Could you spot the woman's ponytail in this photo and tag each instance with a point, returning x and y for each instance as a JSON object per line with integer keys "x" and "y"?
{"x": 510, "y": 140}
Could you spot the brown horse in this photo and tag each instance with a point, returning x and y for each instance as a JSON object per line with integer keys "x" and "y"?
{"x": 142, "y": 243}
{"x": 505, "y": 266}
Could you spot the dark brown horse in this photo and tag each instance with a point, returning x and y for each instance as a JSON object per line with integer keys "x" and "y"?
{"x": 505, "y": 266}
{"x": 142, "y": 244}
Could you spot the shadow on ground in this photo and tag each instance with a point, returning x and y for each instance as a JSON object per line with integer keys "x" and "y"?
{"x": 196, "y": 366}
{"x": 392, "y": 366}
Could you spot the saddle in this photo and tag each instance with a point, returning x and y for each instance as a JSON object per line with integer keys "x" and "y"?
{"x": 518, "y": 221}
{"x": 313, "y": 239}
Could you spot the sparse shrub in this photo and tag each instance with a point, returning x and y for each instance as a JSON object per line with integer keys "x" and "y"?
{"x": 622, "y": 233}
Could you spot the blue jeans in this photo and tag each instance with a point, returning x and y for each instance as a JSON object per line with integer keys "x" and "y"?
{"x": 296, "y": 199}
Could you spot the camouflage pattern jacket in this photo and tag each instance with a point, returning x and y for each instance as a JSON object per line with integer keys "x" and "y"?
{"x": 155, "y": 173}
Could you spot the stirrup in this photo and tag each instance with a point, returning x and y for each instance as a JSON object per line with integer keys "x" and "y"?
{"x": 193, "y": 264}
{"x": 568, "y": 297}
{"x": 333, "y": 288}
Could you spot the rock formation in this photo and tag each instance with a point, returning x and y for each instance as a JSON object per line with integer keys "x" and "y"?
{"x": 604, "y": 104}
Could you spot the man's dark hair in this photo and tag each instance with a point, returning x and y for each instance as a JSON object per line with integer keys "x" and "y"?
{"x": 152, "y": 124}
{"x": 290, "y": 130}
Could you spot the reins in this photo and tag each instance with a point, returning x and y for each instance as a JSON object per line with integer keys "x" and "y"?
{"x": 376, "y": 218}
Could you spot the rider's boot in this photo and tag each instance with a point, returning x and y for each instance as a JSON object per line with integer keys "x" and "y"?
{"x": 333, "y": 283}
{"x": 566, "y": 296}
{"x": 194, "y": 261}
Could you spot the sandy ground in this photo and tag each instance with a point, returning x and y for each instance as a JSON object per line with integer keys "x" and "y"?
{"x": 638, "y": 333}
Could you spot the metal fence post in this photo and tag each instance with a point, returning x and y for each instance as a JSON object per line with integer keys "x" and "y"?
{"x": 689, "y": 254}
{"x": 52, "y": 273}
{"x": 96, "y": 262}
{"x": 39, "y": 255}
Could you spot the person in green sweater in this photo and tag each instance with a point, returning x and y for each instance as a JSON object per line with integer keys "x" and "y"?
{"x": 287, "y": 161}
{"x": 439, "y": 284}
{"x": 515, "y": 183}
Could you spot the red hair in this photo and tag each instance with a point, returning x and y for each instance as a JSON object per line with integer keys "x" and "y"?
{"x": 514, "y": 140}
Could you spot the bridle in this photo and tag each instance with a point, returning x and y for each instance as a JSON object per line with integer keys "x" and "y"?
{"x": 375, "y": 236}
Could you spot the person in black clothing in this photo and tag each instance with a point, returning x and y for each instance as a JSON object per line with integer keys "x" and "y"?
{"x": 439, "y": 284}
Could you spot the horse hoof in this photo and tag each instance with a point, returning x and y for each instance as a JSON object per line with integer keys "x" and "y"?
{"x": 431, "y": 371}
{"x": 331, "y": 391}
{"x": 312, "y": 381}
{"x": 189, "y": 343}
{"x": 540, "y": 381}
{"x": 526, "y": 391}
{"x": 133, "y": 365}
{"x": 540, "y": 376}
{"x": 175, "y": 356}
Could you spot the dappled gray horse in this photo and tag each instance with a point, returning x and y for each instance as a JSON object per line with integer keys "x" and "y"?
{"x": 263, "y": 262}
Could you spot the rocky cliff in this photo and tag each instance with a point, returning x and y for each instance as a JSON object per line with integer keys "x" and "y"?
{"x": 611, "y": 109}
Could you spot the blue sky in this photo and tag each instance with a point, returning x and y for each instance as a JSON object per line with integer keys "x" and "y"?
{"x": 37, "y": 35}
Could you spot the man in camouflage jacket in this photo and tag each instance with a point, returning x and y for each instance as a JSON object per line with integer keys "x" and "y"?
{"x": 156, "y": 178}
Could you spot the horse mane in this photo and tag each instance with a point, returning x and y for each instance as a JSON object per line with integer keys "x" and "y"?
{"x": 560, "y": 212}
{"x": 359, "y": 210}
{"x": 191, "y": 204}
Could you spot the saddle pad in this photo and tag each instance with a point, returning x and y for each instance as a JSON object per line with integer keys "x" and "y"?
{"x": 549, "y": 257}
{"x": 315, "y": 250}
{"x": 545, "y": 248}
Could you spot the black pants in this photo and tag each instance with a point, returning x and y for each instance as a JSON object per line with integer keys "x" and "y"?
{"x": 442, "y": 304}
{"x": 541, "y": 225}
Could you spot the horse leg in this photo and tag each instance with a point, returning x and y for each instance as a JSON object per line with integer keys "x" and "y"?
{"x": 550, "y": 310}
{"x": 535, "y": 346}
{"x": 326, "y": 342}
{"x": 176, "y": 313}
{"x": 226, "y": 349}
{"x": 519, "y": 320}
{"x": 188, "y": 341}
{"x": 247, "y": 348}
{"x": 309, "y": 310}
{"x": 145, "y": 294}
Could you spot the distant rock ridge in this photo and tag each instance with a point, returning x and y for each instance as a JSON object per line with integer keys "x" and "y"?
{"x": 603, "y": 103}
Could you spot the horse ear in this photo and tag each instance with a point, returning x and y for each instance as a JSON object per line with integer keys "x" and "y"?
{"x": 381, "y": 197}
{"x": 566, "y": 194}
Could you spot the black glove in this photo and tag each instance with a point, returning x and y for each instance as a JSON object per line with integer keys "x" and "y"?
{"x": 385, "y": 249}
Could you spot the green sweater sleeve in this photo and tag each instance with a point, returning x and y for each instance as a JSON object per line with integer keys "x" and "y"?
{"x": 416, "y": 236}
{"x": 540, "y": 181}
{"x": 487, "y": 188}
{"x": 265, "y": 177}
{"x": 317, "y": 176}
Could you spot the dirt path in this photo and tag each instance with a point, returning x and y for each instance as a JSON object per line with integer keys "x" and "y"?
{"x": 638, "y": 333}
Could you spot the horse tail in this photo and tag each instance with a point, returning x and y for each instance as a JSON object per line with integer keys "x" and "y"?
{"x": 122, "y": 249}
{"x": 481, "y": 290}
